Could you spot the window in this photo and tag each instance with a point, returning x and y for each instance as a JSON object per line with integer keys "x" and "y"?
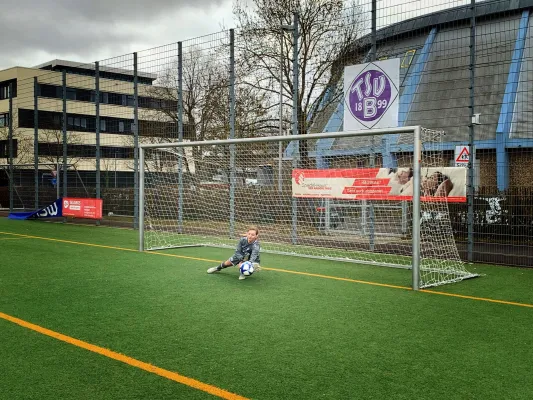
{"x": 143, "y": 102}
{"x": 125, "y": 100}
{"x": 407, "y": 58}
{"x": 4, "y": 120}
{"x": 116, "y": 152}
{"x": 155, "y": 103}
{"x": 71, "y": 94}
{"x": 4, "y": 89}
{"x": 83, "y": 95}
{"x": 47, "y": 90}
{"x": 111, "y": 125}
{"x": 114, "y": 98}
{"x": 87, "y": 123}
{"x": 4, "y": 148}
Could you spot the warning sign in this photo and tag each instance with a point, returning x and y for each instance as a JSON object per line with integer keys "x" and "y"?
{"x": 462, "y": 156}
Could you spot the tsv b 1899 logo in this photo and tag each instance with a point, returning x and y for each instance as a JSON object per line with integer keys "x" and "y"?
{"x": 370, "y": 95}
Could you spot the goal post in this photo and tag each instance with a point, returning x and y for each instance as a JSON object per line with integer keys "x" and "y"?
{"x": 323, "y": 199}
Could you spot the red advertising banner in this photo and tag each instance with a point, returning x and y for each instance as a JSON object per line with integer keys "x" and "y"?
{"x": 82, "y": 208}
{"x": 437, "y": 184}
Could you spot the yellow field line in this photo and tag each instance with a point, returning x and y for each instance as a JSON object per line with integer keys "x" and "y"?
{"x": 98, "y": 245}
{"x": 286, "y": 271}
{"x": 337, "y": 278}
{"x": 462, "y": 296}
{"x": 204, "y": 387}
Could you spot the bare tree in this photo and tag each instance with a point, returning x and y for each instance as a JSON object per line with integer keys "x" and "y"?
{"x": 200, "y": 81}
{"x": 206, "y": 108}
{"x": 24, "y": 143}
{"x": 327, "y": 29}
{"x": 53, "y": 139}
{"x": 107, "y": 166}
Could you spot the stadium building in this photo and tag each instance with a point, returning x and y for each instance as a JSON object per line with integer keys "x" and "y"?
{"x": 435, "y": 88}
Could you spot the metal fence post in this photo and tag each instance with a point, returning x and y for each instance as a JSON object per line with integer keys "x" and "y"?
{"x": 141, "y": 201}
{"x": 295, "y": 104}
{"x": 135, "y": 142}
{"x": 470, "y": 186}
{"x": 180, "y": 137}
{"x": 10, "y": 141}
{"x": 232, "y": 148}
{"x": 373, "y": 51}
{"x": 36, "y": 141}
{"x": 97, "y": 130}
{"x": 65, "y": 143}
{"x": 280, "y": 145}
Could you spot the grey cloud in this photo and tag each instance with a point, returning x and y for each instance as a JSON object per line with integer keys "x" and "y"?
{"x": 83, "y": 28}
{"x": 103, "y": 10}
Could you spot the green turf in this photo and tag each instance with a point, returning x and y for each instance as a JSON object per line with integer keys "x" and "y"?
{"x": 275, "y": 335}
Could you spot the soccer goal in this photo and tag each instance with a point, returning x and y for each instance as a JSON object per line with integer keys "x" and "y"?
{"x": 375, "y": 197}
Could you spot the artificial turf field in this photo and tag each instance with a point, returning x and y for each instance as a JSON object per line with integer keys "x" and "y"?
{"x": 83, "y": 315}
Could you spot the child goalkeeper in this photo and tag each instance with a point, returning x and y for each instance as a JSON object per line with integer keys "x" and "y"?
{"x": 247, "y": 250}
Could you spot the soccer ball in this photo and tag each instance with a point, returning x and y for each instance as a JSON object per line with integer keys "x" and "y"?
{"x": 247, "y": 268}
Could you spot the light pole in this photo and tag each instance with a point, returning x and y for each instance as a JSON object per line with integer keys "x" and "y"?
{"x": 283, "y": 29}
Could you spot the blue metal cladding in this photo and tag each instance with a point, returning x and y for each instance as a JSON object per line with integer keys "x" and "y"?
{"x": 413, "y": 81}
{"x": 406, "y": 99}
{"x": 509, "y": 98}
{"x": 502, "y": 127}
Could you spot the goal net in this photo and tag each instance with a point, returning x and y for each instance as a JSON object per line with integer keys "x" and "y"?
{"x": 352, "y": 196}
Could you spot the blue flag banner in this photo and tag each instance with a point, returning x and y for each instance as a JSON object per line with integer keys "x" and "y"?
{"x": 54, "y": 210}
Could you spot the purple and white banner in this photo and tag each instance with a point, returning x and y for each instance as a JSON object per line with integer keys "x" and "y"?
{"x": 371, "y": 95}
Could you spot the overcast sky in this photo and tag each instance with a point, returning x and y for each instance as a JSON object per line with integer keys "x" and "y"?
{"x": 36, "y": 31}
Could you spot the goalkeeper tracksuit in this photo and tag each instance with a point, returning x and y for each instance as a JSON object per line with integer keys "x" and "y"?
{"x": 246, "y": 251}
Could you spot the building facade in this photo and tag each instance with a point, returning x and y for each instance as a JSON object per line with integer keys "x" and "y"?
{"x": 48, "y": 94}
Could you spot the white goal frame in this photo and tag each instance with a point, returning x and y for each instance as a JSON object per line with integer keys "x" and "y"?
{"x": 415, "y": 130}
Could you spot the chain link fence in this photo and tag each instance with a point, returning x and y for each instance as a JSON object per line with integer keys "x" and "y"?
{"x": 71, "y": 129}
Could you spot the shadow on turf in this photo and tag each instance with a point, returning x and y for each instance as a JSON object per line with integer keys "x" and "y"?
{"x": 234, "y": 276}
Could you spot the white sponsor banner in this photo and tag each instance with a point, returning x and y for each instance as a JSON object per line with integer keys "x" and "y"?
{"x": 437, "y": 184}
{"x": 371, "y": 95}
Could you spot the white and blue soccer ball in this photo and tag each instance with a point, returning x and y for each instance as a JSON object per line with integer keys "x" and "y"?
{"x": 247, "y": 268}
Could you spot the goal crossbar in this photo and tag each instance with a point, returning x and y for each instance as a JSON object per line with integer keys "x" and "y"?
{"x": 289, "y": 138}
